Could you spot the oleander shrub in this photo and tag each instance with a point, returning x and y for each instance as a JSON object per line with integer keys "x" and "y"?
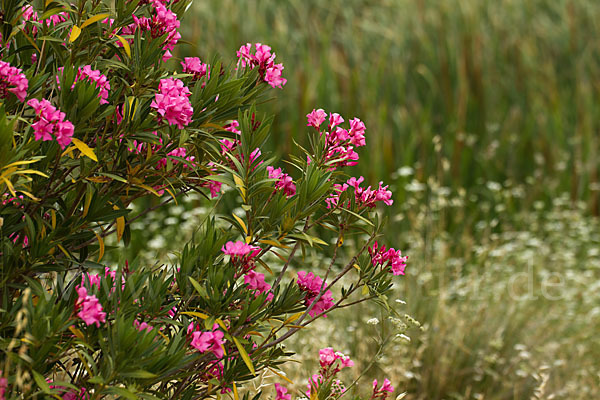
{"x": 97, "y": 114}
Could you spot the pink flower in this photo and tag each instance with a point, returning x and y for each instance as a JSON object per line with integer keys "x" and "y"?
{"x": 383, "y": 392}
{"x": 162, "y": 22}
{"x": 241, "y": 254}
{"x": 262, "y": 59}
{"x": 335, "y": 119}
{"x": 212, "y": 341}
{"x": 328, "y": 357}
{"x": 357, "y": 132}
{"x": 316, "y": 118}
{"x": 90, "y": 309}
{"x": 311, "y": 284}
{"x": 50, "y": 122}
{"x": 392, "y": 258}
{"x": 256, "y": 282}
{"x": 86, "y": 72}
{"x": 142, "y": 326}
{"x": 193, "y": 65}
{"x": 3, "y": 385}
{"x": 340, "y": 142}
{"x": 233, "y": 127}
{"x": 239, "y": 249}
{"x": 282, "y": 393}
{"x": 364, "y": 197}
{"x": 284, "y": 181}
{"x": 172, "y": 102}
{"x": 12, "y": 80}
{"x": 70, "y": 394}
{"x": 215, "y": 188}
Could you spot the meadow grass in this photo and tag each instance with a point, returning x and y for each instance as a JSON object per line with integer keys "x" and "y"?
{"x": 484, "y": 118}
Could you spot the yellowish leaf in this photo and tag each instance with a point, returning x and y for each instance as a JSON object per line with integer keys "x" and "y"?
{"x": 65, "y": 252}
{"x": 20, "y": 163}
{"x": 274, "y": 243}
{"x": 125, "y": 44}
{"x": 285, "y": 378}
{"x": 163, "y": 335}
{"x": 32, "y": 197}
{"x": 101, "y": 244}
{"x": 93, "y": 19}
{"x": 85, "y": 150}
{"x": 241, "y": 222}
{"x": 195, "y": 314}
{"x": 10, "y": 186}
{"x": 76, "y": 332}
{"x": 235, "y": 392}
{"x": 30, "y": 171}
{"x": 120, "y": 227}
{"x": 75, "y": 33}
{"x": 240, "y": 184}
{"x": 88, "y": 201}
{"x": 148, "y": 188}
{"x": 293, "y": 318}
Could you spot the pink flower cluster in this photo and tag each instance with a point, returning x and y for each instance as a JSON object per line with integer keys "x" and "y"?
{"x": 193, "y": 65}
{"x": 241, "y": 254}
{"x": 364, "y": 197}
{"x": 29, "y": 14}
{"x": 178, "y": 152}
{"x": 163, "y": 22}
{"x": 94, "y": 279}
{"x": 264, "y": 60}
{"x": 331, "y": 363}
{"x": 311, "y": 285}
{"x": 71, "y": 394}
{"x": 281, "y": 393}
{"x": 340, "y": 142}
{"x": 172, "y": 102}
{"x": 12, "y": 79}
{"x": 3, "y": 385}
{"x": 328, "y": 359}
{"x": 50, "y": 123}
{"x": 392, "y": 258}
{"x": 87, "y": 73}
{"x": 90, "y": 309}
{"x": 284, "y": 181}
{"x": 384, "y": 391}
{"x": 256, "y": 282}
{"x": 204, "y": 341}
{"x": 142, "y": 326}
{"x": 14, "y": 201}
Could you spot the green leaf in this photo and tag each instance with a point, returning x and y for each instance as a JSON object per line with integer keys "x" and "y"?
{"x": 201, "y": 291}
{"x": 244, "y": 355}
{"x": 121, "y": 392}
{"x": 41, "y": 382}
{"x": 140, "y": 374}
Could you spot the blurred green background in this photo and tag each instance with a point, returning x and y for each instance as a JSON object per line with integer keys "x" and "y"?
{"x": 484, "y": 118}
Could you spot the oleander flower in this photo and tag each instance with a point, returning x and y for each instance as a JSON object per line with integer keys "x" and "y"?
{"x": 388, "y": 258}
{"x": 211, "y": 341}
{"x": 90, "y": 309}
{"x": 281, "y": 393}
{"x": 256, "y": 282}
{"x": 50, "y": 123}
{"x": 193, "y": 65}
{"x": 13, "y": 80}
{"x": 172, "y": 102}
{"x": 311, "y": 284}
{"x": 284, "y": 181}
{"x": 263, "y": 59}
